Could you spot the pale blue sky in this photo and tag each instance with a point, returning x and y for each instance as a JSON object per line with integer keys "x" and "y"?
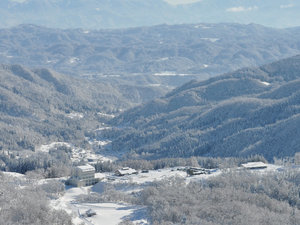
{"x": 178, "y": 2}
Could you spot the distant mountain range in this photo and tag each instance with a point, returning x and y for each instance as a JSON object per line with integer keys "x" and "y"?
{"x": 132, "y": 13}
{"x": 247, "y": 112}
{"x": 200, "y": 50}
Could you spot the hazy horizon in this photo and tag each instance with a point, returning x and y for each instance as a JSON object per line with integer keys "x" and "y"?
{"x": 109, "y": 14}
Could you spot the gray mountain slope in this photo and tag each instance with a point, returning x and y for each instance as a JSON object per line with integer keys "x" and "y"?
{"x": 247, "y": 112}
{"x": 199, "y": 49}
{"x": 37, "y": 105}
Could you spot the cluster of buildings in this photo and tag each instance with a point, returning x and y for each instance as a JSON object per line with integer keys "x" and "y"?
{"x": 85, "y": 175}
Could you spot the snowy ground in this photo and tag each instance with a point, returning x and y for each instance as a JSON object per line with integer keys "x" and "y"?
{"x": 16, "y": 175}
{"x": 106, "y": 213}
{"x": 112, "y": 213}
{"x": 157, "y": 175}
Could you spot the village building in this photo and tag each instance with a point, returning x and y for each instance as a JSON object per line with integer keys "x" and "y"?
{"x": 254, "y": 165}
{"x": 197, "y": 171}
{"x": 83, "y": 176}
{"x": 125, "y": 171}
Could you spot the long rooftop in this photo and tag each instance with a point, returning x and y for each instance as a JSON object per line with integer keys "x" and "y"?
{"x": 86, "y": 168}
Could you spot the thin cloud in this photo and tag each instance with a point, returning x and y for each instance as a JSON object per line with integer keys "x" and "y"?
{"x": 19, "y": 1}
{"x": 287, "y": 6}
{"x": 181, "y": 2}
{"x": 241, "y": 9}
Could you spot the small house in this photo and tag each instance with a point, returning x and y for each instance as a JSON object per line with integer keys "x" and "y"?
{"x": 196, "y": 171}
{"x": 125, "y": 171}
{"x": 254, "y": 165}
{"x": 83, "y": 176}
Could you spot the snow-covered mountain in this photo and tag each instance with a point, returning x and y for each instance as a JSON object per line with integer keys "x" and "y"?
{"x": 40, "y": 105}
{"x": 247, "y": 112}
{"x": 200, "y": 49}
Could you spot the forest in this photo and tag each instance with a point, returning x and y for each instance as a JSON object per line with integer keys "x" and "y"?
{"x": 22, "y": 202}
{"x": 233, "y": 198}
{"x": 246, "y": 112}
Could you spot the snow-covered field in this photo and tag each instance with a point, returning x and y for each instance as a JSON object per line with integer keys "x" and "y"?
{"x": 106, "y": 213}
{"x": 16, "y": 175}
{"x": 112, "y": 213}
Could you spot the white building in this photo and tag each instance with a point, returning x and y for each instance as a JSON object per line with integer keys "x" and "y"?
{"x": 83, "y": 176}
{"x": 254, "y": 165}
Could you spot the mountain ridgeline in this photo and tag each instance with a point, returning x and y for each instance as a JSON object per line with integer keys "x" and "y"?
{"x": 247, "y": 112}
{"x": 132, "y": 13}
{"x": 200, "y": 49}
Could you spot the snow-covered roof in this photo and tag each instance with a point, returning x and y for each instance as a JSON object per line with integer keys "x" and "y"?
{"x": 86, "y": 168}
{"x": 100, "y": 175}
{"x": 125, "y": 171}
{"x": 254, "y": 165}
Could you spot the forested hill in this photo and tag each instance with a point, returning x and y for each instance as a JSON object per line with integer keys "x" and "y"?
{"x": 250, "y": 111}
{"x": 199, "y": 49}
{"x": 41, "y": 105}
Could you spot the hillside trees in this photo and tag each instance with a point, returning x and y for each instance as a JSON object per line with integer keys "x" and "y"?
{"x": 247, "y": 112}
{"x": 27, "y": 206}
{"x": 56, "y": 163}
{"x": 232, "y": 198}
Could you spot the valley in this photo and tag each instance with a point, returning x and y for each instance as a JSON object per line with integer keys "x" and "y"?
{"x": 162, "y": 112}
